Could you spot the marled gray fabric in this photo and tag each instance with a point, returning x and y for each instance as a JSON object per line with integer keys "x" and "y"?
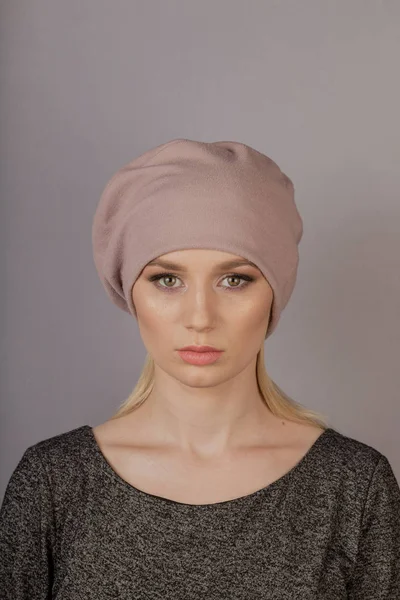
{"x": 72, "y": 529}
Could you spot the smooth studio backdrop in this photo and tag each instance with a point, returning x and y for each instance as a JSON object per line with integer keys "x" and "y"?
{"x": 86, "y": 86}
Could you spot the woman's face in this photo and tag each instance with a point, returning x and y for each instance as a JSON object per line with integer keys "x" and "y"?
{"x": 199, "y": 300}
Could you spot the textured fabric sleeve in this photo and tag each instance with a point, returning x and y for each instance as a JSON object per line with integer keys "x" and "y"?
{"x": 376, "y": 574}
{"x": 26, "y": 532}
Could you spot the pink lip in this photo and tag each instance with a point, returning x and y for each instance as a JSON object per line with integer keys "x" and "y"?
{"x": 199, "y": 358}
{"x": 201, "y": 349}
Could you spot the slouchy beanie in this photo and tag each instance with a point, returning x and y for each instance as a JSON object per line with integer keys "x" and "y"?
{"x": 188, "y": 194}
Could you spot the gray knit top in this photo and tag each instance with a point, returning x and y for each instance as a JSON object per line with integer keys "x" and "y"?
{"x": 72, "y": 529}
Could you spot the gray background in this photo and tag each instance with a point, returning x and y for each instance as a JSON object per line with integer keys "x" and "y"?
{"x": 87, "y": 85}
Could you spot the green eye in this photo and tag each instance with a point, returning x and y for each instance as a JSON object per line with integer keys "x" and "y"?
{"x": 159, "y": 276}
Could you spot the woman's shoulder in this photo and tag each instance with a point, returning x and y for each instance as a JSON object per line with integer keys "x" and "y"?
{"x": 349, "y": 465}
{"x": 351, "y": 450}
{"x": 66, "y": 445}
{"x": 60, "y": 461}
{"x": 332, "y": 448}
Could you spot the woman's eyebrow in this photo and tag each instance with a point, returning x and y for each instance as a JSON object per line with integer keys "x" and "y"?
{"x": 229, "y": 264}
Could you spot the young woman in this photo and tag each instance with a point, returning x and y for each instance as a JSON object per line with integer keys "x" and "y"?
{"x": 208, "y": 482}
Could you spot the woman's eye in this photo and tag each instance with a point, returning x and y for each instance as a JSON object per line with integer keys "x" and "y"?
{"x": 235, "y": 277}
{"x": 166, "y": 277}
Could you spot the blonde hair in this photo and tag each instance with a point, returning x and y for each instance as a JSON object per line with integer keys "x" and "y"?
{"x": 281, "y": 405}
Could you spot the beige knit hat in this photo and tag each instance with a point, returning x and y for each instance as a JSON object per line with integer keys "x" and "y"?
{"x": 188, "y": 194}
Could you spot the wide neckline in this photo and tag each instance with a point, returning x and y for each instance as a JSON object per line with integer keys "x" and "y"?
{"x": 153, "y": 498}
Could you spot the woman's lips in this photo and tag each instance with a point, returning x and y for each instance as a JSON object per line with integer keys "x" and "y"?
{"x": 199, "y": 358}
{"x": 200, "y": 348}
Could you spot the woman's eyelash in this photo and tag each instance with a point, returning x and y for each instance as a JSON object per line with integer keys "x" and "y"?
{"x": 246, "y": 278}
